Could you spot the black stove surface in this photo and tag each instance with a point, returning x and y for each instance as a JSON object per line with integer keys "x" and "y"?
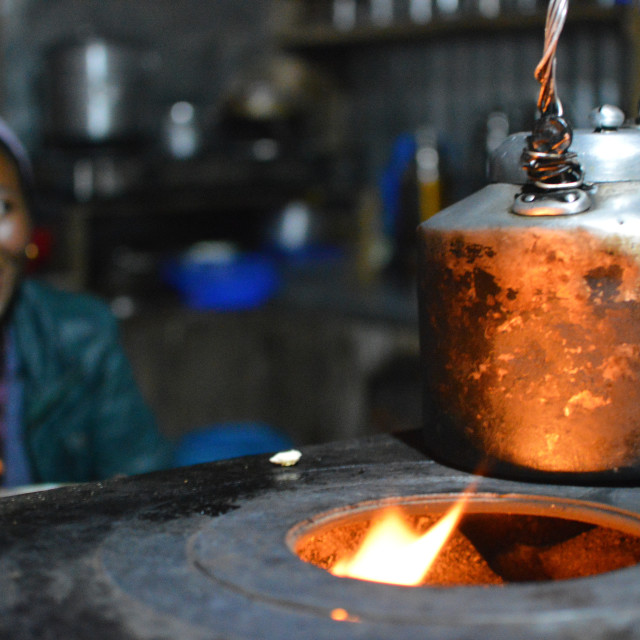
{"x": 200, "y": 552}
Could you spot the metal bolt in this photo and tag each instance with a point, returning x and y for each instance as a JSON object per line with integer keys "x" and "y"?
{"x": 607, "y": 116}
{"x": 571, "y": 196}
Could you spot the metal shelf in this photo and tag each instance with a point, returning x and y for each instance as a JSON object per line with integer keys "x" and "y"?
{"x": 324, "y": 37}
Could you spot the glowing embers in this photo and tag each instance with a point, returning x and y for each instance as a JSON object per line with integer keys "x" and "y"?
{"x": 496, "y": 540}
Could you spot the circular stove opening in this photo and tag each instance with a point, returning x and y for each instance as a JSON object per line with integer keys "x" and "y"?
{"x": 499, "y": 539}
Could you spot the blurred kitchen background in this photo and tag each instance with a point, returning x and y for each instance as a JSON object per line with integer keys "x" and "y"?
{"x": 240, "y": 179}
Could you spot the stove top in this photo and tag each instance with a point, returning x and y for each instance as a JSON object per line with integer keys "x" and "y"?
{"x": 200, "y": 552}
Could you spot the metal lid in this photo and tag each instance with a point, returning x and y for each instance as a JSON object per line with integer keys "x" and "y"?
{"x": 606, "y": 155}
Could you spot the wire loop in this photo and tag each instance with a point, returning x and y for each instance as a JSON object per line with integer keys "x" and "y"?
{"x": 546, "y": 159}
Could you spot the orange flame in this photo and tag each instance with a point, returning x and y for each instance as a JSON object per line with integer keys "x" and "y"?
{"x": 393, "y": 553}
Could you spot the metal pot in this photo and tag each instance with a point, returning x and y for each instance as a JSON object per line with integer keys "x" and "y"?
{"x": 530, "y": 318}
{"x": 93, "y": 92}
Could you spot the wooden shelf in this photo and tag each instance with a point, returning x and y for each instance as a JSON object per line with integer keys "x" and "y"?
{"x": 325, "y": 37}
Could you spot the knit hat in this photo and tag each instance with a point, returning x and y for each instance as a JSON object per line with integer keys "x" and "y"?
{"x": 13, "y": 145}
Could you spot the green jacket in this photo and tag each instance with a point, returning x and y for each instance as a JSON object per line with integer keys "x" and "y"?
{"x": 83, "y": 417}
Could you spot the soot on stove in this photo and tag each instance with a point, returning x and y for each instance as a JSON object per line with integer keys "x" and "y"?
{"x": 209, "y": 552}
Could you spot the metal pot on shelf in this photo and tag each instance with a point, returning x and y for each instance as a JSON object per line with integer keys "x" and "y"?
{"x": 93, "y": 92}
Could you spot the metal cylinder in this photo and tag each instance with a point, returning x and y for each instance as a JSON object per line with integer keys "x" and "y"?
{"x": 94, "y": 92}
{"x": 530, "y": 325}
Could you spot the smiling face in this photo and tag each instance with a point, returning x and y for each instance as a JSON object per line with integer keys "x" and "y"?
{"x": 15, "y": 228}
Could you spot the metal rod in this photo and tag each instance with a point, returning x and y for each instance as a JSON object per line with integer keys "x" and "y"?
{"x": 545, "y": 73}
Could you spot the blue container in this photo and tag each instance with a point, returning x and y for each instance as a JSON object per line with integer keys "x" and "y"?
{"x": 243, "y": 282}
{"x": 229, "y": 440}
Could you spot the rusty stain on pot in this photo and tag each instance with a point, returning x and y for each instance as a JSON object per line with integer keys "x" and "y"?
{"x": 531, "y": 343}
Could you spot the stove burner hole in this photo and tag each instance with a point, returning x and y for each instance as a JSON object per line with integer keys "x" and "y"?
{"x": 499, "y": 539}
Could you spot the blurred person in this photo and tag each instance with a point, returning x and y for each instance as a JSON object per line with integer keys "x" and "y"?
{"x": 70, "y": 410}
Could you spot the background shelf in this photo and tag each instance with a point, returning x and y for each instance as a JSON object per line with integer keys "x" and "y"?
{"x": 318, "y": 37}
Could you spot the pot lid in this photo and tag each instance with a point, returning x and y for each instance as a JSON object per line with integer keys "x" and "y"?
{"x": 608, "y": 153}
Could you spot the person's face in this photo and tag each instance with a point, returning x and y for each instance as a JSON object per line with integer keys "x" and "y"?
{"x": 15, "y": 229}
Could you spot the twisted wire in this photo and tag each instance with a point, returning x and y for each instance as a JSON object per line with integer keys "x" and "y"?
{"x": 547, "y": 161}
{"x": 548, "y": 171}
{"x": 545, "y": 72}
